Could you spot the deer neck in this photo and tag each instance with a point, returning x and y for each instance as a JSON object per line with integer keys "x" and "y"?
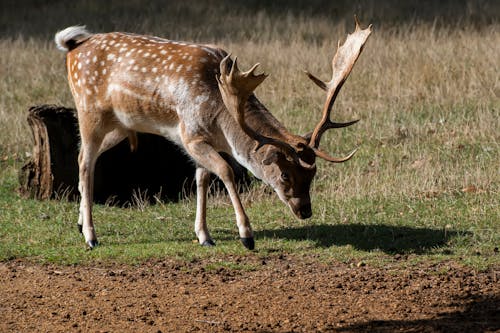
{"x": 242, "y": 147}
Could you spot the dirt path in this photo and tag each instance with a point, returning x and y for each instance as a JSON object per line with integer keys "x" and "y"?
{"x": 282, "y": 294}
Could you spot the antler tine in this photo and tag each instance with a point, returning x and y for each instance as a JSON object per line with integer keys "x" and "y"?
{"x": 320, "y": 83}
{"x": 342, "y": 64}
{"x": 329, "y": 158}
{"x": 236, "y": 87}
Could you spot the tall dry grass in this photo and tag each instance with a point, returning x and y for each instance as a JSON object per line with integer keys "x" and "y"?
{"x": 428, "y": 95}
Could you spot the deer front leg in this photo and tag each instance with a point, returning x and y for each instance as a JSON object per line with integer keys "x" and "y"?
{"x": 207, "y": 156}
{"x": 200, "y": 225}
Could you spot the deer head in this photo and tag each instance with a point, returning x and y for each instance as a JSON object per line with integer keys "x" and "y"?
{"x": 289, "y": 160}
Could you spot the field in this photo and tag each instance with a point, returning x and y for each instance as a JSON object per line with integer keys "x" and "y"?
{"x": 404, "y": 236}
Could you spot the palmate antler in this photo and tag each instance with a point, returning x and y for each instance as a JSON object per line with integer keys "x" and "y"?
{"x": 236, "y": 87}
{"x": 342, "y": 64}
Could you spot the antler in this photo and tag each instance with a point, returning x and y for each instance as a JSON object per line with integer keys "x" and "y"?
{"x": 236, "y": 87}
{"x": 342, "y": 64}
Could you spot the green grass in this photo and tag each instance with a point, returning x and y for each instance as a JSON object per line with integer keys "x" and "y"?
{"x": 455, "y": 226}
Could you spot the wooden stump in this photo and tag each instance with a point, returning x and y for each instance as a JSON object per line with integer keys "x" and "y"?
{"x": 158, "y": 169}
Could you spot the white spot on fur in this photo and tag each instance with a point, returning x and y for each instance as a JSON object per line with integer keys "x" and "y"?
{"x": 110, "y": 56}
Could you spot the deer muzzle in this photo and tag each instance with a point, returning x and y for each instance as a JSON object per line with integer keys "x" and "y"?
{"x": 301, "y": 208}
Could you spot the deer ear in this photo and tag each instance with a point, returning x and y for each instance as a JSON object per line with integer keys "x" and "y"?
{"x": 272, "y": 157}
{"x": 307, "y": 136}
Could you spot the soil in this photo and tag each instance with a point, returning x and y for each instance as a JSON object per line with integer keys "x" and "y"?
{"x": 276, "y": 294}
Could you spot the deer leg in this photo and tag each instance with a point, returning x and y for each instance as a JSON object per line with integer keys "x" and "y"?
{"x": 110, "y": 140}
{"x": 207, "y": 156}
{"x": 86, "y": 163}
{"x": 200, "y": 224}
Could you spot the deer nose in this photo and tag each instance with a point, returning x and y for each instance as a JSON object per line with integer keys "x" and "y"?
{"x": 305, "y": 211}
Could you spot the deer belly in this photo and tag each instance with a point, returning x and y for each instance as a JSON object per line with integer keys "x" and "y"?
{"x": 149, "y": 124}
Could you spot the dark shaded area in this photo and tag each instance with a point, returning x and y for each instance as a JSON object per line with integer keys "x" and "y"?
{"x": 387, "y": 238}
{"x": 482, "y": 314}
{"x": 208, "y": 20}
{"x": 157, "y": 170}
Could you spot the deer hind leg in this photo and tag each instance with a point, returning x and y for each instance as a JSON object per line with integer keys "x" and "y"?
{"x": 207, "y": 156}
{"x": 116, "y": 136}
{"x": 200, "y": 224}
{"x": 89, "y": 152}
{"x": 86, "y": 162}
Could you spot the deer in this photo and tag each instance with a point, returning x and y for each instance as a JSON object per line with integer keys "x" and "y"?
{"x": 195, "y": 96}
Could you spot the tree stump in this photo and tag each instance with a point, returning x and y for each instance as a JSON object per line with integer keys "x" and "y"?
{"x": 158, "y": 169}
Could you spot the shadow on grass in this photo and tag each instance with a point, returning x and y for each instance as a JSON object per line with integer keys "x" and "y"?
{"x": 387, "y": 238}
{"x": 481, "y": 314}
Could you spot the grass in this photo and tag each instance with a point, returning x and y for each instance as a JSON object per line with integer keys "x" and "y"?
{"x": 458, "y": 226}
{"x": 424, "y": 184}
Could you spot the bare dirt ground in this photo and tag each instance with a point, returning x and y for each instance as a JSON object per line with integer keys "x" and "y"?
{"x": 280, "y": 294}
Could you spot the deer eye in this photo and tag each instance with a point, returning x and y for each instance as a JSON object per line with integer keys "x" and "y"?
{"x": 285, "y": 177}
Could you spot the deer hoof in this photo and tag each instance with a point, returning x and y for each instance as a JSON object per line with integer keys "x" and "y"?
{"x": 92, "y": 243}
{"x": 249, "y": 243}
{"x": 79, "y": 228}
{"x": 208, "y": 243}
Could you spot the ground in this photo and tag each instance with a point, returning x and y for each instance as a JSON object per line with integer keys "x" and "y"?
{"x": 282, "y": 293}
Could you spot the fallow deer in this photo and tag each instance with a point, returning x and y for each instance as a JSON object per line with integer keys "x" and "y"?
{"x": 195, "y": 96}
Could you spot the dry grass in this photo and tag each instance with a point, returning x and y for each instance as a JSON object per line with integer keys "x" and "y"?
{"x": 426, "y": 89}
{"x": 428, "y": 95}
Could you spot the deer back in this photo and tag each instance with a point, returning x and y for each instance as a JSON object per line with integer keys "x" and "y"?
{"x": 146, "y": 84}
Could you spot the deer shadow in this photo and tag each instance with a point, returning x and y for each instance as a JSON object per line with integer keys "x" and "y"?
{"x": 388, "y": 238}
